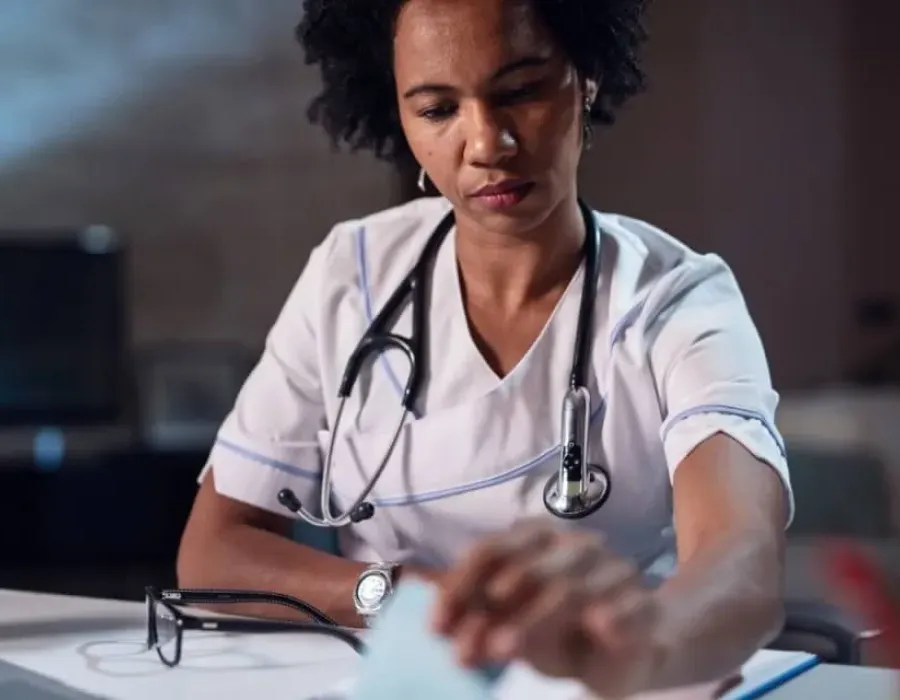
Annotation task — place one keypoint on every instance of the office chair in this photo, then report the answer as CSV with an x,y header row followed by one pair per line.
x,y
824,630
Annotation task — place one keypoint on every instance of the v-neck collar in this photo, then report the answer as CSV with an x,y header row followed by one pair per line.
x,y
452,343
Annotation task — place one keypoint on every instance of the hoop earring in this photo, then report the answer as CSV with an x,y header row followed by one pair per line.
x,y
422,181
588,136
508,140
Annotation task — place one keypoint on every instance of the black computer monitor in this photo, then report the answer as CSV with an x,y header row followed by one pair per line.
x,y
63,327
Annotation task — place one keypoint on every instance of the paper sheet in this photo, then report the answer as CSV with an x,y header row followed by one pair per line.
x,y
406,660
520,683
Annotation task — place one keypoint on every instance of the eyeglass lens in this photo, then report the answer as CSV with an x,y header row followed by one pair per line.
x,y
166,632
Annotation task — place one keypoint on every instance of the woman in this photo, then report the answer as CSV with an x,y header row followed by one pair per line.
x,y
494,99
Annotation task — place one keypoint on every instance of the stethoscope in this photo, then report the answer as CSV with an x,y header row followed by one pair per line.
x,y
578,488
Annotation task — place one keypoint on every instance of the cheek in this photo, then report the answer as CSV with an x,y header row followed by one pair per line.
x,y
553,135
418,139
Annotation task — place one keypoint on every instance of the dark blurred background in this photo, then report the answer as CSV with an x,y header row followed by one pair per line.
x,y
160,191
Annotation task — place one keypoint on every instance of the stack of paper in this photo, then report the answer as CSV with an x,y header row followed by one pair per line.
x,y
405,660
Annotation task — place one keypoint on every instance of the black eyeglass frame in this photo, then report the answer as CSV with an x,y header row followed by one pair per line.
x,y
171,599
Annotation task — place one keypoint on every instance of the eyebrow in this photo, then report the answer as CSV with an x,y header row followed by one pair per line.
x,y
517,65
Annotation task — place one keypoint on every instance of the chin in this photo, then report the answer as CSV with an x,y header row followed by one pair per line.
x,y
518,220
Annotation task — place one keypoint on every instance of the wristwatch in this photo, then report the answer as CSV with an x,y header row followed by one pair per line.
x,y
373,589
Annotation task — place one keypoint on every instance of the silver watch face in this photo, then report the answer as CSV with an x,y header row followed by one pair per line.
x,y
371,589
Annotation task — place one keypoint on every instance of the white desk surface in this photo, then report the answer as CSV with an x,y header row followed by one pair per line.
x,y
98,647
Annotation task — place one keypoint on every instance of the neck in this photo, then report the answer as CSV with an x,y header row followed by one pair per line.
x,y
511,272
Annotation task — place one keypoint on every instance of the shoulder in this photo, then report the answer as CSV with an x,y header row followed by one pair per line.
x,y
361,260
388,237
650,273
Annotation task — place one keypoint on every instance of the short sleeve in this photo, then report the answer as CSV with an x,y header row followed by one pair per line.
x,y
711,369
269,439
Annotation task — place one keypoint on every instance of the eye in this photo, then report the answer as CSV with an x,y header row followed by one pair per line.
x,y
438,113
519,94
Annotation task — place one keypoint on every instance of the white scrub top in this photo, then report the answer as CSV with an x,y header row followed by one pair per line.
x,y
676,358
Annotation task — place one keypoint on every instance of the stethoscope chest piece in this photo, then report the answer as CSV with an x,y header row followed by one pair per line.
x,y
581,502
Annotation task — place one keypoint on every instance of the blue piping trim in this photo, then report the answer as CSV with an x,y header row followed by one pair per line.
x,y
515,473
776,681
727,410
362,265
623,323
269,462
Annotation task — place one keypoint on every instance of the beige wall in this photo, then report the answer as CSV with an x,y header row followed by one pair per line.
x,y
739,148
872,238
770,136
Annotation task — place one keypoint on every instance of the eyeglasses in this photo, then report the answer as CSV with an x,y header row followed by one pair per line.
x,y
166,623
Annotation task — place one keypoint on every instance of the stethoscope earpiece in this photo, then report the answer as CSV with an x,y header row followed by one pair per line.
x,y
362,512
289,500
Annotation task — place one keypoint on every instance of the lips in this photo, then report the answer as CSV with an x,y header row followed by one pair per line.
x,y
502,187
503,195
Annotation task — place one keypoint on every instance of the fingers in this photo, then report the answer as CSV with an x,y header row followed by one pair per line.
x,y
475,585
571,578
523,577
489,583
541,632
607,579
525,594
470,638
728,685
618,601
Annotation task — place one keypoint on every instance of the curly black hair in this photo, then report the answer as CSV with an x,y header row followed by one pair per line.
x,y
351,42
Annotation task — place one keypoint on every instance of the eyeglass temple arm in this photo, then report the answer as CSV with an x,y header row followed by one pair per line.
x,y
198,596
249,626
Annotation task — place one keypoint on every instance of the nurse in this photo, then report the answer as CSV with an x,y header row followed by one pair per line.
x,y
494,99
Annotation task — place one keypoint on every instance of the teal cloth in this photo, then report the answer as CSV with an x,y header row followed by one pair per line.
x,y
405,659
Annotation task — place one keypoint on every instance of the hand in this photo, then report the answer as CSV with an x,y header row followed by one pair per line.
x,y
559,601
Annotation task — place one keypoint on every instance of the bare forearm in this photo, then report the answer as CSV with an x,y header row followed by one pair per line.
x,y
721,607
241,556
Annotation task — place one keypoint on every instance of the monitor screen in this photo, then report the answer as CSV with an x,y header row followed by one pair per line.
x,y
62,327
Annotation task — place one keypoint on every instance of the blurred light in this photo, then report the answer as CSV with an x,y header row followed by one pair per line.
x,y
98,239
64,64
49,449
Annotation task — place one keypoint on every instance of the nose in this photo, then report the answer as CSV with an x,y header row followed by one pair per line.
x,y
488,141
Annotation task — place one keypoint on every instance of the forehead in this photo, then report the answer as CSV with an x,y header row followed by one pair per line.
x,y
460,40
